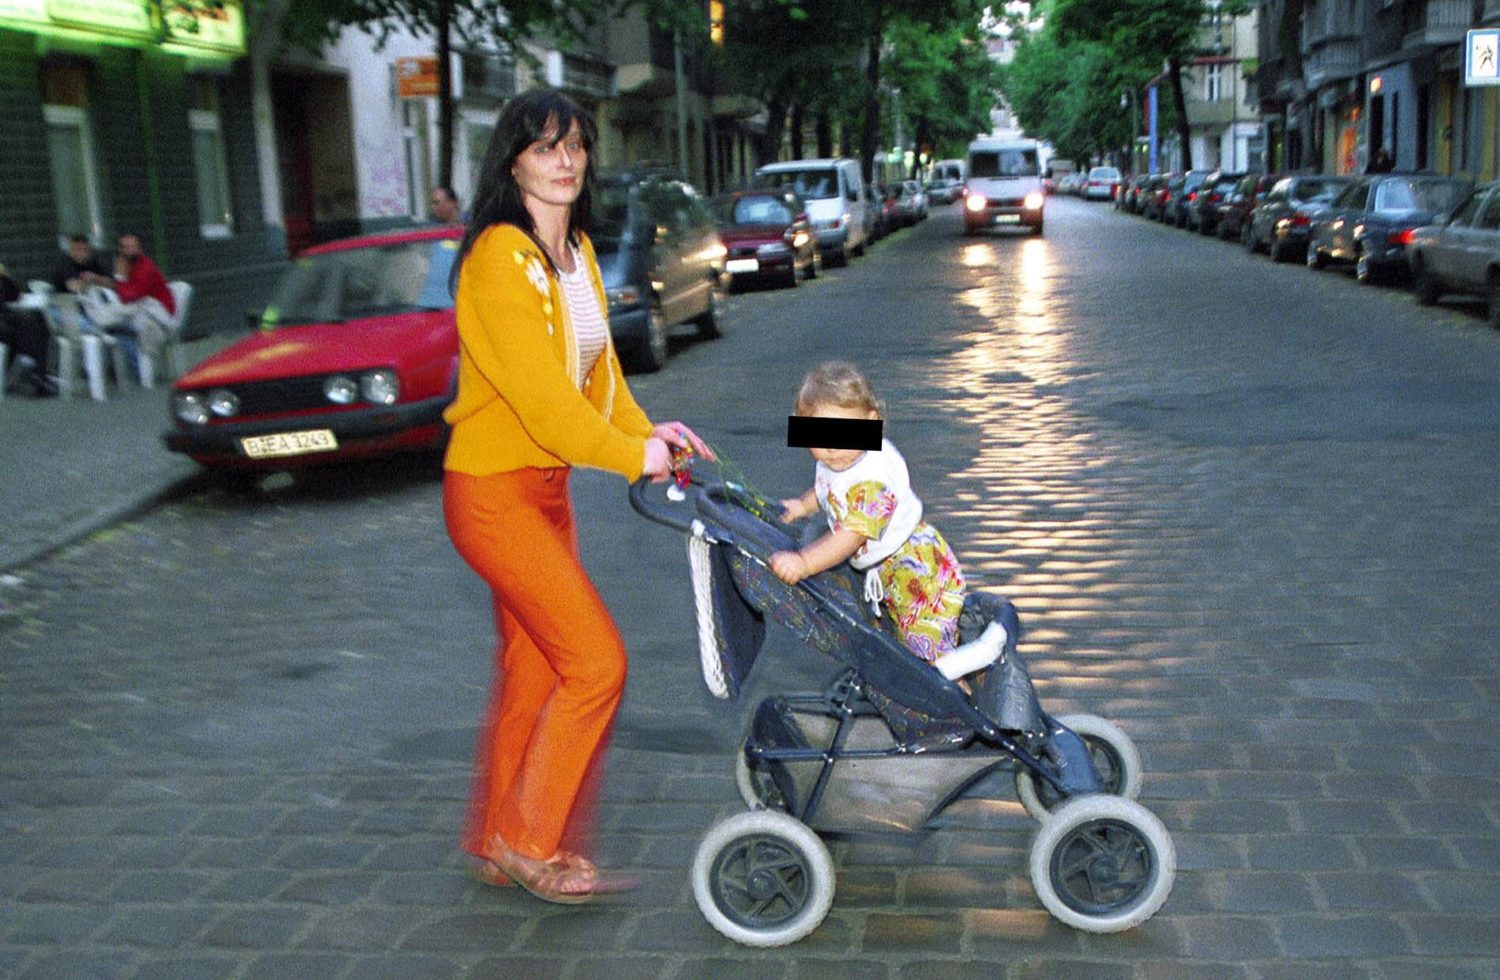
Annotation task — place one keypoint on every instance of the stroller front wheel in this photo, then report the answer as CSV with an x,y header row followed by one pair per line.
x,y
1103,863
763,878
1113,753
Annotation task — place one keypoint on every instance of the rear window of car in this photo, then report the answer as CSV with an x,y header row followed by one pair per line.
x,y
1019,162
364,282
1104,173
1316,190
759,211
818,184
1415,195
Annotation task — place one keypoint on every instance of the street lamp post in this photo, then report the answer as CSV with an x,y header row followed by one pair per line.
x,y
1127,97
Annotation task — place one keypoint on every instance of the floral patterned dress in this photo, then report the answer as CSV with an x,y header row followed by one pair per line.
x,y
921,578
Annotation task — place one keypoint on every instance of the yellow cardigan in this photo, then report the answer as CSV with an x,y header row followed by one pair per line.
x,y
519,403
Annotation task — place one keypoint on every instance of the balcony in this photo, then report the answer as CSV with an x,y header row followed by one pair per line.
x,y
1332,61
1439,23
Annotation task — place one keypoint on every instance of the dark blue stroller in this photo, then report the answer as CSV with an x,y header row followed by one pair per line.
x,y
890,743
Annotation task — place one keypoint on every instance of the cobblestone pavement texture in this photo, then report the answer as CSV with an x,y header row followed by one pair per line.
x,y
1247,512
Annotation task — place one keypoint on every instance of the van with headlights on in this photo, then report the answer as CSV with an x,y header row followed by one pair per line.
x,y
1003,188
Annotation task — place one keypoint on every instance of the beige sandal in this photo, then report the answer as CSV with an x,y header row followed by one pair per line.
x,y
553,880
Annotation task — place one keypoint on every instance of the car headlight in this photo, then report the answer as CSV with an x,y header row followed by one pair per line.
x,y
340,389
190,407
624,296
380,387
974,202
223,402
1033,202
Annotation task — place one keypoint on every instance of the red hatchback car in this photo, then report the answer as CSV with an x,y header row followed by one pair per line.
x,y
767,236
356,355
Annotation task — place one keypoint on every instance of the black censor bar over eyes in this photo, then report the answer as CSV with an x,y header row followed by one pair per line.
x,y
809,433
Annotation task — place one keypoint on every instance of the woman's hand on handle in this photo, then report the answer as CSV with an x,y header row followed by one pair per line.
x,y
679,435
658,465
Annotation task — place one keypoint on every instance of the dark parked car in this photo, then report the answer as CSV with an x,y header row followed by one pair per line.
x,y
1184,192
355,356
1234,210
768,237
1461,255
1373,220
1281,222
1153,198
662,261
1203,207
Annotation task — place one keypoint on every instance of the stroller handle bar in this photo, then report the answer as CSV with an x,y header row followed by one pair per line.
x,y
654,510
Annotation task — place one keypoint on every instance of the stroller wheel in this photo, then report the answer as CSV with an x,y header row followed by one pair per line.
x,y
1103,863
1110,749
763,878
757,788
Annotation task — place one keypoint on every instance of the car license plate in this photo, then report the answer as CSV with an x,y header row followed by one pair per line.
x,y
289,443
1007,219
742,265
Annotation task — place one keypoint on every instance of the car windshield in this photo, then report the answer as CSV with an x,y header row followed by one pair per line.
x,y
1104,173
1418,195
1003,163
757,210
1317,190
376,280
610,212
809,184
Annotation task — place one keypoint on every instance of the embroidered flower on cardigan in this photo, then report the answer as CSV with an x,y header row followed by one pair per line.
x,y
538,276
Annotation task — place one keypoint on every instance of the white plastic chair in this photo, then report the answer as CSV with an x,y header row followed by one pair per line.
x,y
182,298
64,320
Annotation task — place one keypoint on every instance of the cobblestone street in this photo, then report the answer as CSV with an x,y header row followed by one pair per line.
x,y
1247,511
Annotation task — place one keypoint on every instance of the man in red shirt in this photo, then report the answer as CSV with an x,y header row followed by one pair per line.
x,y
145,306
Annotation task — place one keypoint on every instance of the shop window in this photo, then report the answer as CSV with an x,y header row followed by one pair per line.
x,y
206,123
70,151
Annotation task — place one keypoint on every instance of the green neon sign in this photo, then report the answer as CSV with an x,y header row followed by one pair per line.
x,y
183,27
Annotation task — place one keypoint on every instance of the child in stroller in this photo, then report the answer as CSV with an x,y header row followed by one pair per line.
x,y
889,743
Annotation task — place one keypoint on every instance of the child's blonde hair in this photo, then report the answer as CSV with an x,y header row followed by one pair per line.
x,y
837,383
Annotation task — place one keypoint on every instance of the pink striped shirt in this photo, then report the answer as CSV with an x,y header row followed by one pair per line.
x,y
590,326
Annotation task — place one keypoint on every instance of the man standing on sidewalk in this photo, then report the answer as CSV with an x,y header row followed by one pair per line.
x,y
146,305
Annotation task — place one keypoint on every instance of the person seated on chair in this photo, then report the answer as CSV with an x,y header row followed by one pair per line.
x,y
443,205
72,264
146,304
25,335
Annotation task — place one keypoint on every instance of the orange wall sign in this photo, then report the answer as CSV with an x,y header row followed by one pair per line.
x,y
416,78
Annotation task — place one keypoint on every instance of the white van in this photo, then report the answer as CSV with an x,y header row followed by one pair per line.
x,y
947,181
834,192
1004,185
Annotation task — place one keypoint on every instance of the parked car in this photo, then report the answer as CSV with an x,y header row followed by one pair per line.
x,y
1101,184
1461,254
661,258
356,355
1280,223
912,201
834,191
1154,194
1004,186
1203,207
1057,170
1129,197
890,209
768,237
875,222
946,182
1373,220
1234,211
1184,193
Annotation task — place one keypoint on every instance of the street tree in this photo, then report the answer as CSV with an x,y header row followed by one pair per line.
x,y
944,81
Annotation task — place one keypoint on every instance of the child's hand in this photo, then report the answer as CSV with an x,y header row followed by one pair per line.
x,y
789,566
791,510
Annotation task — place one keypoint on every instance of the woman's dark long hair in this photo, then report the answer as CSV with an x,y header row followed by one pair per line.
x,y
537,114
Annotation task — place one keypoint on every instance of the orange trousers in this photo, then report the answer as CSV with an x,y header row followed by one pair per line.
x,y
559,664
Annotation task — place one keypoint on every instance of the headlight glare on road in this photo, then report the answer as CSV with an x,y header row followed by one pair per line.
x,y
974,202
1033,202
380,387
223,402
190,407
340,389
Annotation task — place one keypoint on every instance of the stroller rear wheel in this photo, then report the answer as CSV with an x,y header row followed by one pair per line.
x,y
763,878
1103,863
1110,749
757,788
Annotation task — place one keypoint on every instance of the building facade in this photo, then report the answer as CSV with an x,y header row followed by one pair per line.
x,y
118,120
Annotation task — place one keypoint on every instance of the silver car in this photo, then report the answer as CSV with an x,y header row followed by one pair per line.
x,y
1462,254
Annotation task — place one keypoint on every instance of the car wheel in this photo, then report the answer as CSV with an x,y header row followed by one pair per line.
x,y
651,353
793,279
1315,259
711,323
1247,239
1036,229
1423,283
